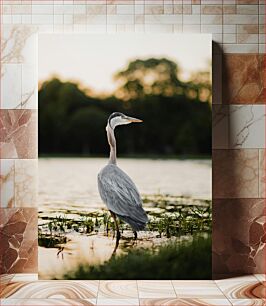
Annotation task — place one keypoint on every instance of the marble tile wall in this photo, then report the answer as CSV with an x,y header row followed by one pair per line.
x,y
238,29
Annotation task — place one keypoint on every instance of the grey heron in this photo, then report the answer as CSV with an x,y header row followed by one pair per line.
x,y
116,188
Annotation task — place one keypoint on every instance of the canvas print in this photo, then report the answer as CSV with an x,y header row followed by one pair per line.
x,y
124,156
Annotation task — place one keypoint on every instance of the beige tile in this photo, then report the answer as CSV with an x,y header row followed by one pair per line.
x,y
154,9
124,9
120,19
247,29
229,28
118,290
229,9
184,302
10,85
248,302
247,2
25,277
240,19
247,38
240,48
187,9
242,287
197,289
155,289
48,302
209,28
211,19
51,290
247,126
42,9
117,302
26,173
229,38
96,9
191,28
191,19
7,186
261,277
211,9
247,9
163,19
178,9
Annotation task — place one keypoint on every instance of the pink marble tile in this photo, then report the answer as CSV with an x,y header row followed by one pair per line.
x,y
18,233
235,173
243,79
18,130
238,237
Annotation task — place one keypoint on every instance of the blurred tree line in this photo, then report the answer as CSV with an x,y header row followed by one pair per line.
x,y
176,114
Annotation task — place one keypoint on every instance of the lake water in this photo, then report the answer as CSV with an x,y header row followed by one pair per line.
x,y
71,183
69,186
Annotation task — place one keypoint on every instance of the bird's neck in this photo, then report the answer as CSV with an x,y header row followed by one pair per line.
x,y
112,144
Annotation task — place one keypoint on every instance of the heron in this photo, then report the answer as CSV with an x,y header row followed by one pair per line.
x,y
116,188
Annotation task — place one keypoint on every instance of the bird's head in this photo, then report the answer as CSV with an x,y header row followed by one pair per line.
x,y
116,119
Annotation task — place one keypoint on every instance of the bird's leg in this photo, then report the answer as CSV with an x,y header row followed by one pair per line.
x,y
116,226
117,232
135,235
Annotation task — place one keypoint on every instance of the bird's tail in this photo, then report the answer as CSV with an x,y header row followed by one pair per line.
x,y
136,225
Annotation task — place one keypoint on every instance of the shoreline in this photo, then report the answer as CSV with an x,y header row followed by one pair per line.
x,y
129,156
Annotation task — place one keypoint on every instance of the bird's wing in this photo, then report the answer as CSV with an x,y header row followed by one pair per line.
x,y
120,194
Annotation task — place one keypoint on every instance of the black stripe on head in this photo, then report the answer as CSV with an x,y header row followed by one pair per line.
x,y
113,115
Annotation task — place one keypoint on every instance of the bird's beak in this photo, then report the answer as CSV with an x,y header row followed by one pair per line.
x,y
131,119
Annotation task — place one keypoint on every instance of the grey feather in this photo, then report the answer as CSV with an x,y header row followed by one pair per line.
x,y
121,196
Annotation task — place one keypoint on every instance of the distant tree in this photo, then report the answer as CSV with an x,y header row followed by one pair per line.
x,y
176,121
199,86
160,76
149,77
87,130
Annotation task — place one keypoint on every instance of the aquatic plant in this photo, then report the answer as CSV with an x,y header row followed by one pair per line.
x,y
88,224
169,216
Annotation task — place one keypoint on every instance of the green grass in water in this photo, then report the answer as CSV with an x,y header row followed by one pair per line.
x,y
175,260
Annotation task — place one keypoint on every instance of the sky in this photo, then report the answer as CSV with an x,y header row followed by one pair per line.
x,y
92,59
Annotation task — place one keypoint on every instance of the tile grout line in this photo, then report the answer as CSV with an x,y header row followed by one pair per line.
x,y
221,290
137,284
